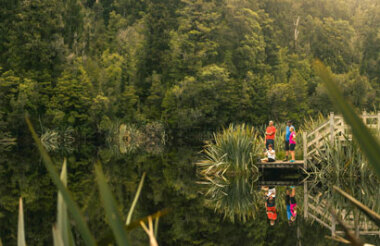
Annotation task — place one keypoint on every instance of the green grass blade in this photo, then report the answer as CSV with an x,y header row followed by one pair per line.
x,y
137,195
156,222
367,142
112,212
57,237
63,225
1,243
20,230
71,205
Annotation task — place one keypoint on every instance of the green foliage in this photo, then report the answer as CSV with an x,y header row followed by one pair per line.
x,y
235,150
71,205
344,164
32,46
367,142
194,66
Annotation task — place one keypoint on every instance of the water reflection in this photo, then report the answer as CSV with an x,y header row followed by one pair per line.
x,y
234,198
241,197
202,213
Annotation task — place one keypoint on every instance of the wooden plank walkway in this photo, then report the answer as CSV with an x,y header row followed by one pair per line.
x,y
279,183
281,164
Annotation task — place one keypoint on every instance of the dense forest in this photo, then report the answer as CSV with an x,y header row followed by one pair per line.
x,y
190,67
194,65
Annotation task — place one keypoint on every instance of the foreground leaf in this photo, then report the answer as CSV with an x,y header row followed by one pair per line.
x,y
63,225
57,237
108,238
367,142
112,212
71,205
21,230
137,195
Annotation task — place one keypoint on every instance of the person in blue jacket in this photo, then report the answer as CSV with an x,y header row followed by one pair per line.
x,y
287,136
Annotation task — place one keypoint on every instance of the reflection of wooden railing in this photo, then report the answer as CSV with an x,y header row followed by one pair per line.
x,y
332,129
317,210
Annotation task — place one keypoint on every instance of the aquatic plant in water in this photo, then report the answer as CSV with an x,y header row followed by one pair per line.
x,y
235,198
229,172
235,149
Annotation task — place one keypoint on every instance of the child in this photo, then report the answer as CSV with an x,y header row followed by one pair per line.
x,y
292,142
271,154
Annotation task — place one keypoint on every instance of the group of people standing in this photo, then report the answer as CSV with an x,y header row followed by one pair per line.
x,y
290,202
290,142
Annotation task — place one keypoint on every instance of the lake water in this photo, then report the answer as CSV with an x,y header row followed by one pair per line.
x,y
172,181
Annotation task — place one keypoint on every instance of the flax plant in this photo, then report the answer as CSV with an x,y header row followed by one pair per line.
x,y
343,164
235,149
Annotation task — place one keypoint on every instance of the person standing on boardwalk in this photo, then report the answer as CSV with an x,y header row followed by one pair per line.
x,y
270,135
292,143
287,136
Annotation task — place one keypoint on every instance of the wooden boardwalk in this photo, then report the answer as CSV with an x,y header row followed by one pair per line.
x,y
279,183
281,164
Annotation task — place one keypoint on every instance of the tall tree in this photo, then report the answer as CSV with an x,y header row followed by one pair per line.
x,y
35,40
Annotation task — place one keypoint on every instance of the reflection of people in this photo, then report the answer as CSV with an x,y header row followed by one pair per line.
x,y
287,136
270,205
271,154
270,134
292,142
291,204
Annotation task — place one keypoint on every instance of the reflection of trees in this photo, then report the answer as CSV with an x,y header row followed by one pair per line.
x,y
129,138
54,140
150,138
235,197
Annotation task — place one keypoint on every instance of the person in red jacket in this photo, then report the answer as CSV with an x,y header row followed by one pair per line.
x,y
270,135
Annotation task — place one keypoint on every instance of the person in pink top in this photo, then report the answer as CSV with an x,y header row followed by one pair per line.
x,y
292,142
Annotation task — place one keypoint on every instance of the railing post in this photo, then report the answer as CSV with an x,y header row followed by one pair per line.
x,y
364,117
332,128
304,140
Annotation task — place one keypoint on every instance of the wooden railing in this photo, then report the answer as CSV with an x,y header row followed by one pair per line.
x,y
317,210
333,128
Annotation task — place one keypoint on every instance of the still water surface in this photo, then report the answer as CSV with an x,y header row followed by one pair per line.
x,y
233,215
